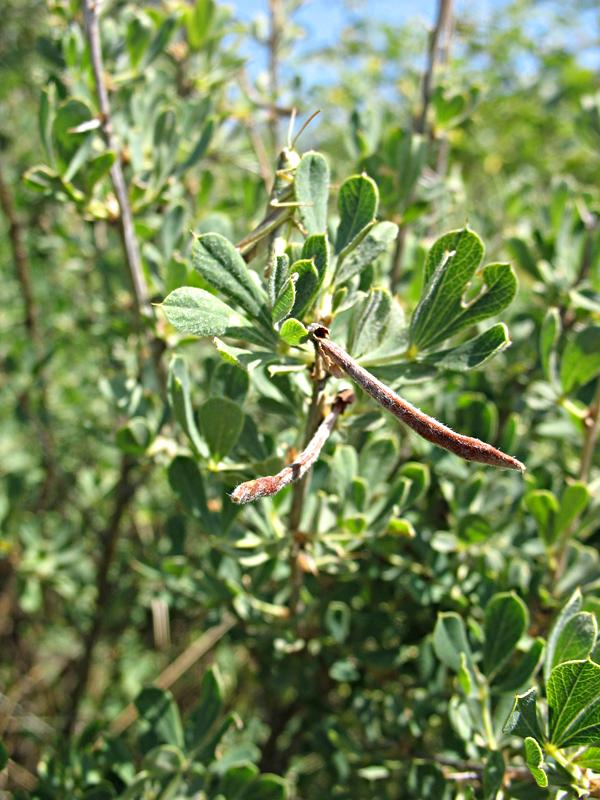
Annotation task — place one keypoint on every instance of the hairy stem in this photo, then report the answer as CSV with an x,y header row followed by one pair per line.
x,y
299,494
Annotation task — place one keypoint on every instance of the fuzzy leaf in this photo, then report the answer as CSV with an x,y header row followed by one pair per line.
x,y
369,322
572,503
506,620
580,361
282,307
316,248
576,639
293,332
376,242
197,311
307,284
311,187
523,671
543,506
573,693
534,758
450,640
221,422
357,203
474,352
571,607
449,268
549,336
222,266
523,719
181,403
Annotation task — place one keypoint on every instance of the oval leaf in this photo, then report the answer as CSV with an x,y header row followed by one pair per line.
x,y
197,311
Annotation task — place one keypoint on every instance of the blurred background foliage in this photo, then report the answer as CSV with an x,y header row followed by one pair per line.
x,y
155,640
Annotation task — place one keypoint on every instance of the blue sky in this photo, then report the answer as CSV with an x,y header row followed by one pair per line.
x,y
324,20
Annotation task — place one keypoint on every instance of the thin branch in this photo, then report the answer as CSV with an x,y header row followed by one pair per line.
x,y
592,429
438,50
21,260
301,487
125,490
199,648
23,274
140,290
274,45
271,484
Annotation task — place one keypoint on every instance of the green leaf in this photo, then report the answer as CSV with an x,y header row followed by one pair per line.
x,y
96,168
449,268
576,639
493,775
161,715
206,712
69,115
267,787
573,693
523,719
377,241
522,672
293,332
571,607
506,620
534,758
221,423
307,285
222,266
160,41
369,322
357,203
337,620
311,187
419,477
285,300
474,352
236,780
187,484
450,640
580,361
572,503
549,336
278,275
316,249
590,759
197,311
543,506
180,399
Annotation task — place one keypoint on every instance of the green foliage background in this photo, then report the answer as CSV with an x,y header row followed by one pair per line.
x,y
364,633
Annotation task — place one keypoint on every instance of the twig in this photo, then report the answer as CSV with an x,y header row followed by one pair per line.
x,y
466,447
592,429
176,669
301,487
125,490
23,274
274,44
590,437
271,484
440,29
21,260
140,290
438,50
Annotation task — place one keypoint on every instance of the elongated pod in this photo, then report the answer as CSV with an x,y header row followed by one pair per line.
x,y
466,447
